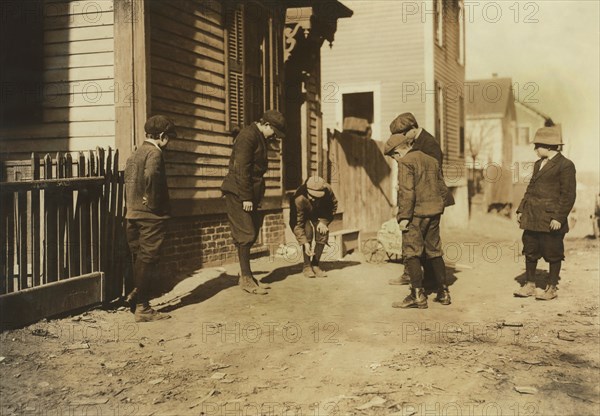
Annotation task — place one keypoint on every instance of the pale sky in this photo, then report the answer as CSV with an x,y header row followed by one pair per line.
x,y
560,53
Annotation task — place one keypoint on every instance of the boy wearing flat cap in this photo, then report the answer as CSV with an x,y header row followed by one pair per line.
x,y
244,187
543,212
406,124
147,202
312,211
422,193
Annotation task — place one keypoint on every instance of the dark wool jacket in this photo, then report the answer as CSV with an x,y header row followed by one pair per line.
x,y
247,165
303,210
550,195
430,146
146,190
421,187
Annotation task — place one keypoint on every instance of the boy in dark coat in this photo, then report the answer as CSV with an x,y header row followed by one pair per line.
x,y
244,187
406,124
313,209
422,193
543,212
147,202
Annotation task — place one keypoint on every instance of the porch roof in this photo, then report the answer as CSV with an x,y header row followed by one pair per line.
x,y
330,8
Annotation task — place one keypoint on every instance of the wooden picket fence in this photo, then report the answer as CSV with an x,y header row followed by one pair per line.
x,y
65,221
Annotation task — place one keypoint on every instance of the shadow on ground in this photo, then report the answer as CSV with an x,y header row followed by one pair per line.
x,y
282,273
224,281
204,291
541,278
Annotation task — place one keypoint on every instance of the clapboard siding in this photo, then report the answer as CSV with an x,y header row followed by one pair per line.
x,y
397,64
21,149
80,74
78,94
188,83
451,76
353,61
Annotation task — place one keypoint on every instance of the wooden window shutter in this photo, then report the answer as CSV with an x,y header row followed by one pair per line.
x,y
277,81
235,62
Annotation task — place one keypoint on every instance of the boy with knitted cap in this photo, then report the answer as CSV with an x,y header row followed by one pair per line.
x,y
313,209
543,212
422,193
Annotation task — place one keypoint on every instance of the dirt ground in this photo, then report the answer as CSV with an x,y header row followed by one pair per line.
x,y
330,346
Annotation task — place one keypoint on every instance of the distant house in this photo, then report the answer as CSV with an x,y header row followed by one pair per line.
x,y
394,57
76,75
529,119
491,129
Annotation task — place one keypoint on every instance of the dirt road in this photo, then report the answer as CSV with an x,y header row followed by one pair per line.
x,y
328,346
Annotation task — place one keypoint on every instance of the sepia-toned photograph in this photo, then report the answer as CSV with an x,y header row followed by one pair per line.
x,y
299,207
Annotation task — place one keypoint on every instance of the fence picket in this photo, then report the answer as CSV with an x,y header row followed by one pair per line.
x,y
94,200
50,221
106,171
118,227
72,264
10,245
35,223
22,239
62,220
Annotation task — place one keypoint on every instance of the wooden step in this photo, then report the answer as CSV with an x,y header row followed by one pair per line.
x,y
341,242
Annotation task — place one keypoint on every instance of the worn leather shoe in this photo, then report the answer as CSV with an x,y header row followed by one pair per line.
x,y
144,313
528,289
319,272
308,272
260,284
416,299
548,294
247,284
443,297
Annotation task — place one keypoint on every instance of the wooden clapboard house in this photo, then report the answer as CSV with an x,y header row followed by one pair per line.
x,y
77,75
390,58
491,129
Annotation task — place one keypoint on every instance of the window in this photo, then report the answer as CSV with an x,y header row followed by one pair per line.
x,y
253,58
21,62
358,112
461,32
523,135
235,60
439,22
440,127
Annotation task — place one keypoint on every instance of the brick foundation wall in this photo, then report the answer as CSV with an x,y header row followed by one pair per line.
x,y
195,242
273,230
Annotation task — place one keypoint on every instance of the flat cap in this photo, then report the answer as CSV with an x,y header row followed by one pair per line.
x,y
394,141
548,135
158,124
277,121
315,185
403,123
